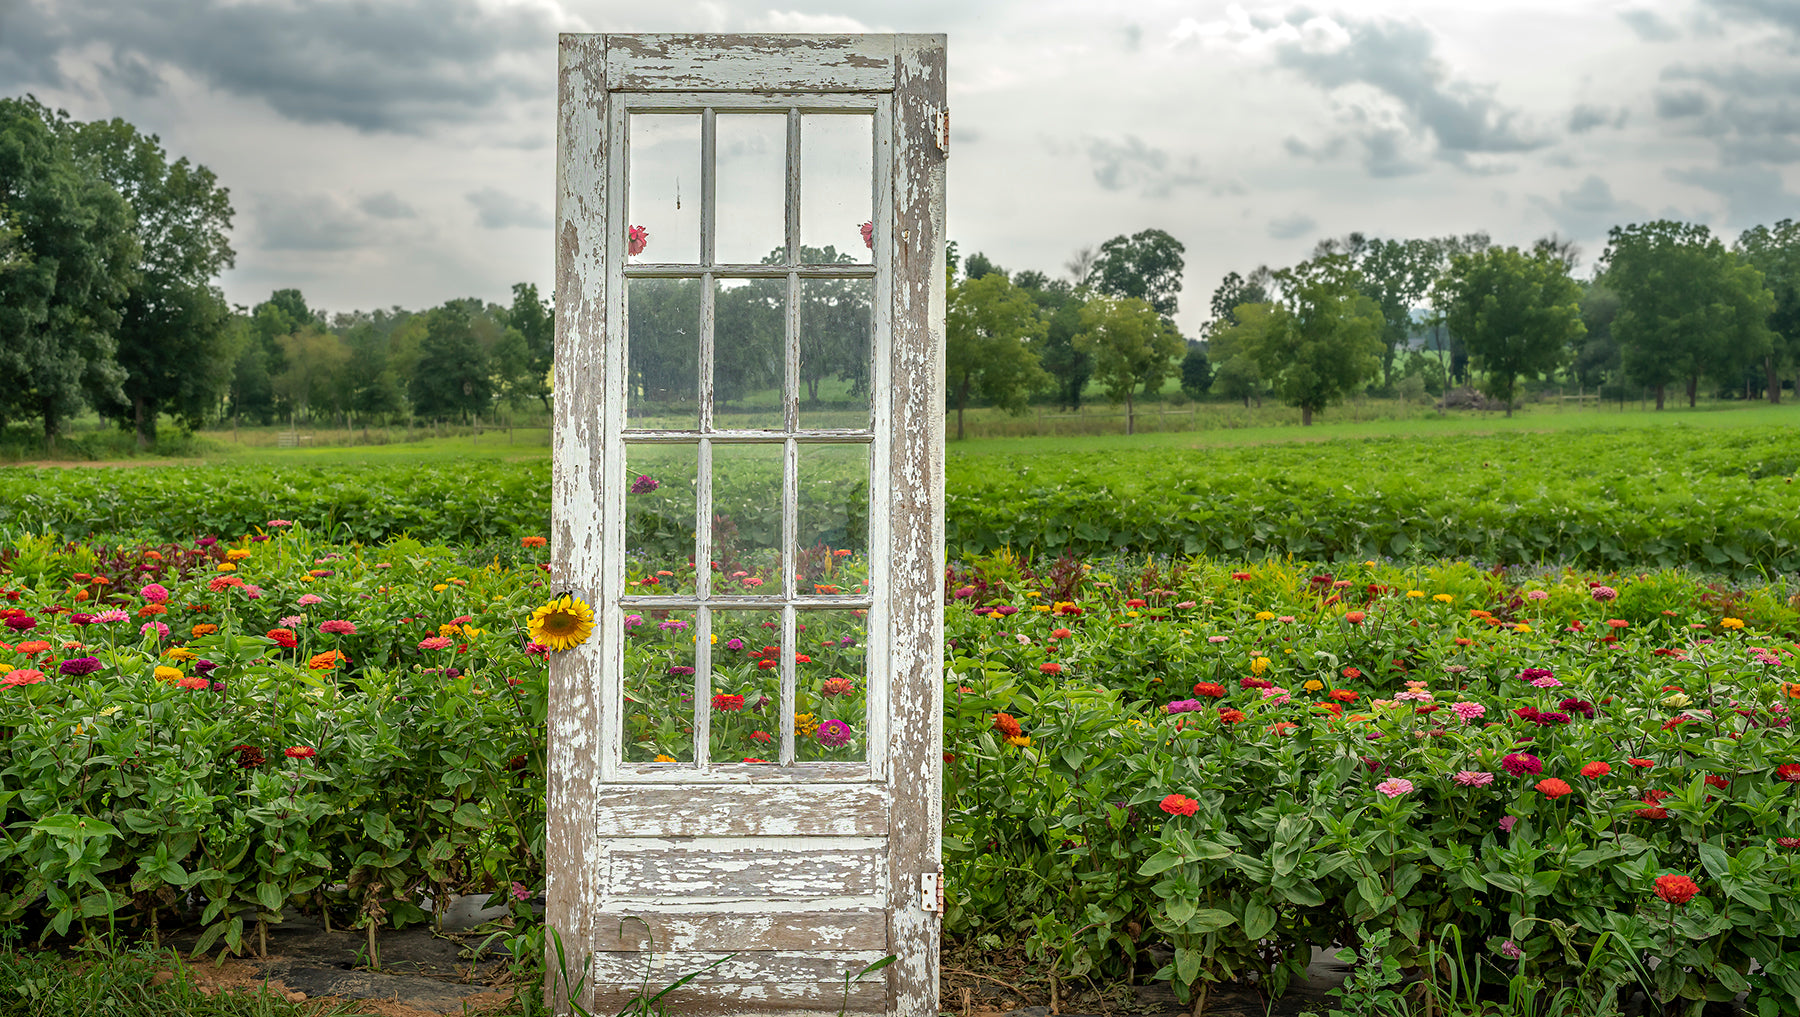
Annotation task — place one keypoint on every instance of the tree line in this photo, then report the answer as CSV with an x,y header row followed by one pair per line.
x,y
1669,305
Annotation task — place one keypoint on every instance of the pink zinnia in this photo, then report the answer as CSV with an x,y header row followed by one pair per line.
x,y
22,676
1545,682
1469,712
1394,787
1537,595
1520,764
338,627
1603,593
155,593
1474,778
114,615
1507,823
161,630
433,643
310,598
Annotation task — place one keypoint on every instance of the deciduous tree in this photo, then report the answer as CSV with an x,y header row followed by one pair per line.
x,y
1775,252
1132,345
1318,344
1519,314
1146,265
989,335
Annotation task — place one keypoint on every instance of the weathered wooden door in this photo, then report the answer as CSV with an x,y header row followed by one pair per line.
x,y
745,757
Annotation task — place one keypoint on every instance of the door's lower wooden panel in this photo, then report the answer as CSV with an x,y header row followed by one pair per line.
x,y
832,810
751,982
663,932
743,869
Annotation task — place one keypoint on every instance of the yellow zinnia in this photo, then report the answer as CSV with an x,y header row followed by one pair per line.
x,y
168,674
1731,623
563,623
236,554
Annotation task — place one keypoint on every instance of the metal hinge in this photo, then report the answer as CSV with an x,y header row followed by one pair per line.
x,y
940,129
931,891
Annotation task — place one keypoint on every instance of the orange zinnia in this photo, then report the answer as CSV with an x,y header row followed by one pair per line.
x,y
327,661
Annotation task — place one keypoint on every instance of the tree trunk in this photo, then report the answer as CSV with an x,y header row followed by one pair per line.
x,y
1129,422
51,426
962,400
1659,397
137,404
1306,416
1774,380
1693,384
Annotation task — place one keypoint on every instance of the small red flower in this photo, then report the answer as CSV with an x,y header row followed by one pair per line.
x,y
1240,576
1789,772
1554,787
1343,695
301,752
1642,764
1051,667
1230,716
1179,805
1210,689
1061,634
1595,769
1008,725
1354,617
284,638
1352,673
1655,811
1676,889
1714,780
726,703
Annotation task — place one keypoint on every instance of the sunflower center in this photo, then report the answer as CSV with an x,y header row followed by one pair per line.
x,y
560,623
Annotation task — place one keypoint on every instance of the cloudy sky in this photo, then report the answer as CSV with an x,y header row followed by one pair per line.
x,y
384,152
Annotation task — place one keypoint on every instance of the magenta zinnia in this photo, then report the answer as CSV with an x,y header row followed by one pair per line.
x,y
833,734
338,627
1520,764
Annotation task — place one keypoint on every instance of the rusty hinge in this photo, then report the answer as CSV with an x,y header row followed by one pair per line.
x,y
940,130
931,891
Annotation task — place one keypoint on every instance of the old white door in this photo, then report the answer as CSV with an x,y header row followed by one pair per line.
x,y
745,757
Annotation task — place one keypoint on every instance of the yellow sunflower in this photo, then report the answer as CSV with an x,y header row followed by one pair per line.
x,y
563,623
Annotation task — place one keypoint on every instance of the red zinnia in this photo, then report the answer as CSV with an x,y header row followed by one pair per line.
x,y
1789,772
1595,769
1008,725
1714,780
1213,689
1655,811
727,703
1343,695
302,752
1230,716
1179,805
1642,764
1554,787
1354,617
1676,889
1062,633
284,638
1051,667
1352,673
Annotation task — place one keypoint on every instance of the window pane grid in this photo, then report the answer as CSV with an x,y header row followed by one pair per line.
x,y
710,596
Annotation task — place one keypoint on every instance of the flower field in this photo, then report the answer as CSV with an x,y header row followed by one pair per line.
x,y
1568,774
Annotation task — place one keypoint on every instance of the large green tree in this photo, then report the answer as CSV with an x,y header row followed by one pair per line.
x,y
1146,265
1396,275
173,336
1133,347
1518,313
1059,303
1315,346
76,260
451,379
1775,252
531,315
1687,306
990,329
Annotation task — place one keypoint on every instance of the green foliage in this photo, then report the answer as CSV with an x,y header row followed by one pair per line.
x,y
59,303
990,330
1145,266
139,982
1133,347
1775,252
452,379
1319,344
1518,314
1687,306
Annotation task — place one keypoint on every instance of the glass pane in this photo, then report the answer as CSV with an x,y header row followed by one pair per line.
x,y
750,353
663,358
659,518
750,224
836,325
831,683
746,687
665,188
659,687
837,169
831,542
746,525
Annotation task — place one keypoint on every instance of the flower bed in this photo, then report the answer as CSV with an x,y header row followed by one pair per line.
x,y
1565,777
1576,774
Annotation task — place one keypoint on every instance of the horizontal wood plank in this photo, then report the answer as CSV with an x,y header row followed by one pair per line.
x,y
844,810
752,869
625,930
750,63
751,982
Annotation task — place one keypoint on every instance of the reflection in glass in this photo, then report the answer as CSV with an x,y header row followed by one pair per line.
x,y
750,353
746,687
750,222
746,523
665,186
662,386
831,542
659,519
659,687
837,166
836,326
831,685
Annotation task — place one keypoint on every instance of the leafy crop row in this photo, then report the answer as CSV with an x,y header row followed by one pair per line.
x,y
1717,499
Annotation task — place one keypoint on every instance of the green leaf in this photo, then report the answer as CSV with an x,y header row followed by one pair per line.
x,y
1187,964
1259,920
469,814
1210,920
1714,858
68,827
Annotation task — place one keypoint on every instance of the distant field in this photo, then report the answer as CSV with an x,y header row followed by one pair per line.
x,y
1711,489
